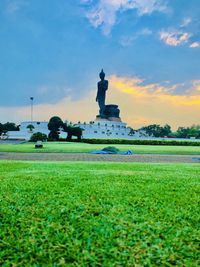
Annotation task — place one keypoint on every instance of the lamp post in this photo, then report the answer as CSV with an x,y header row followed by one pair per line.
x,y
31,98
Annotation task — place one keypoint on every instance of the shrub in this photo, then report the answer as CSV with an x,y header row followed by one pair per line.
x,y
111,149
142,142
38,137
72,131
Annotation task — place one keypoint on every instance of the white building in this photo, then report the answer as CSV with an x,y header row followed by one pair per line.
x,y
102,128
99,128
25,132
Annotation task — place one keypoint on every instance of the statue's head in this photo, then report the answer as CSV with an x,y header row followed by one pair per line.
x,y
102,75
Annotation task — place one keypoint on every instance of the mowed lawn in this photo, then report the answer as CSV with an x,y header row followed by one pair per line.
x,y
99,214
66,147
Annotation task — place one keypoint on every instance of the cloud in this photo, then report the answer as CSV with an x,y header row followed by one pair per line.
x,y
155,103
174,37
43,91
137,88
103,14
13,6
145,31
149,6
128,40
196,86
195,45
186,22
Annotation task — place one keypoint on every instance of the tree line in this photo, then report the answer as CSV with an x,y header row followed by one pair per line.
x,y
8,126
155,130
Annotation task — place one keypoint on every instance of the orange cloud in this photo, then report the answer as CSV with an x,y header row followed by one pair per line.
x,y
153,103
152,91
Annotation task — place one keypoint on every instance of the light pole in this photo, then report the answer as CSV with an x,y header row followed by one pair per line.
x,y
31,98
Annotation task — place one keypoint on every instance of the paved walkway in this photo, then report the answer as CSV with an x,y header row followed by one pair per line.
x,y
11,142
89,157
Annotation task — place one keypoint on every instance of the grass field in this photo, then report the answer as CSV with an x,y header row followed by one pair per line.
x,y
99,214
66,147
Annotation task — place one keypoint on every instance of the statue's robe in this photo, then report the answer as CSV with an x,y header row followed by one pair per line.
x,y
101,94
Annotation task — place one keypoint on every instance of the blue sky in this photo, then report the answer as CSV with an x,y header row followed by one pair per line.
x,y
54,49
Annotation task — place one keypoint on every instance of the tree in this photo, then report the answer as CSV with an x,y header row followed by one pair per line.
x,y
183,132
38,137
54,125
30,127
165,131
156,130
194,131
1,128
132,131
53,136
187,132
10,126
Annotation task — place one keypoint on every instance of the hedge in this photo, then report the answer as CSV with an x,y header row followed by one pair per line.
x,y
138,142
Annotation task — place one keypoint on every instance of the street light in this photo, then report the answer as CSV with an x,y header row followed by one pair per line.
x,y
31,98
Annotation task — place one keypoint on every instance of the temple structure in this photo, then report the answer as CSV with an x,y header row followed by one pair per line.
x,y
107,123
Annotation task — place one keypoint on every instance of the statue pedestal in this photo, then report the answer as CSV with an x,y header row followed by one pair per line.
x,y
98,118
110,113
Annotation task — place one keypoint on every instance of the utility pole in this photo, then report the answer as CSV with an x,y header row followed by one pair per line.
x,y
31,98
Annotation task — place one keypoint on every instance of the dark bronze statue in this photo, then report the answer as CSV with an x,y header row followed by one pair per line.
x,y
111,111
101,92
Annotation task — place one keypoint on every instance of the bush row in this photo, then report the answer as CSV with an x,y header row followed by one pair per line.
x,y
141,142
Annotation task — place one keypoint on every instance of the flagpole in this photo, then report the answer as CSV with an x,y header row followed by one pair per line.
x,y
31,98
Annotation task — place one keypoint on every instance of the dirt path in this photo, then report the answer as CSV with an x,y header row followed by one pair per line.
x,y
89,157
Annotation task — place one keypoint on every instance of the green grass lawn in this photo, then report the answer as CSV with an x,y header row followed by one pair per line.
x,y
99,214
66,147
